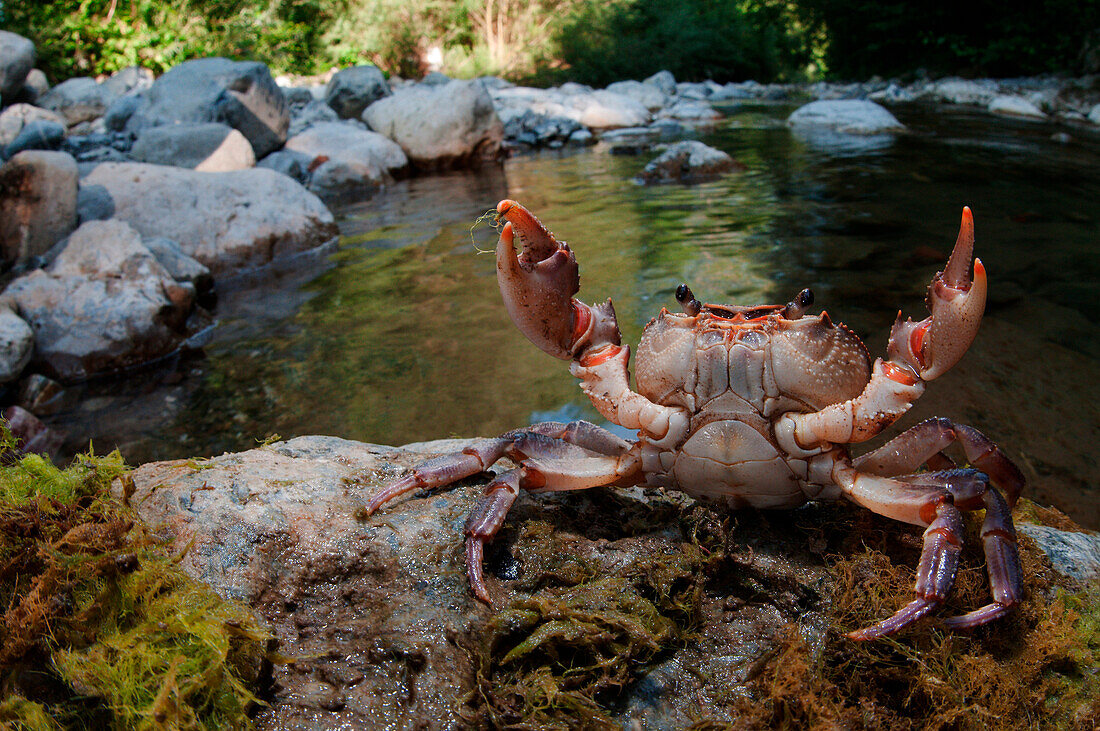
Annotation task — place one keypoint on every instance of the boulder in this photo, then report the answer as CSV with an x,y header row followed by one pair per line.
x,y
1072,554
241,94
179,265
31,434
34,87
962,91
129,80
352,90
849,116
443,126
685,161
41,134
1094,114
648,95
605,109
291,164
16,344
531,129
105,303
663,80
77,100
17,116
313,112
226,221
208,147
344,159
1015,106
688,110
16,60
38,197
892,94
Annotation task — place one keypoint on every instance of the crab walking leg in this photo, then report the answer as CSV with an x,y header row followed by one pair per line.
x,y
934,499
919,444
918,352
551,466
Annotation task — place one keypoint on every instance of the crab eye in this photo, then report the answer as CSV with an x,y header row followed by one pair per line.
x,y
797,307
687,300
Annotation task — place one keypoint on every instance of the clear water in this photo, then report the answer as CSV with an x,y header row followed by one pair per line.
x,y
400,335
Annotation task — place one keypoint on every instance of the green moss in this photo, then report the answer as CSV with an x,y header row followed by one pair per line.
x,y
102,628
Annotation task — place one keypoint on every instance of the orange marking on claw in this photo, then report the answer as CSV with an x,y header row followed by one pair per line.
x,y
582,316
916,341
899,374
600,356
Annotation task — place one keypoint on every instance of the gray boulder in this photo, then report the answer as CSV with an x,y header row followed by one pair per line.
x,y
78,100
605,109
689,160
104,303
179,265
41,134
962,91
663,80
1011,105
313,112
34,87
241,94
451,125
352,90
207,147
848,116
129,80
16,60
38,193
649,95
1094,114
226,221
344,159
1072,554
294,165
16,344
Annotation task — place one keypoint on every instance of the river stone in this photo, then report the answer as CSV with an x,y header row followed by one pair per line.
x,y
440,126
104,303
16,345
38,197
35,85
241,94
352,90
16,60
128,80
226,221
663,80
1073,554
1015,106
291,164
605,109
1094,114
686,161
208,147
689,110
848,116
649,95
962,91
179,266
41,134
77,100
346,159
17,116
313,112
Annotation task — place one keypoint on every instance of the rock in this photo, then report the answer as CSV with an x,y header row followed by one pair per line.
x,y
961,91
41,134
128,80
537,130
345,159
38,196
17,116
33,436
16,60
297,96
848,116
649,95
1015,106
294,165
605,109
40,395
690,111
226,221
34,86
179,265
687,161
241,94
663,80
352,90
314,112
207,147
691,90
440,126
105,303
1076,555
77,100
892,94
16,345
1094,114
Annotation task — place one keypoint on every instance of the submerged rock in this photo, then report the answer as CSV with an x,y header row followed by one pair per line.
x,y
687,161
849,116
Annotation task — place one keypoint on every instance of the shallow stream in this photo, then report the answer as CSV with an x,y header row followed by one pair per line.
x,y
400,335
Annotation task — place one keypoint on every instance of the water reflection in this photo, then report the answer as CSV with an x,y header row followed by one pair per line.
x,y
403,337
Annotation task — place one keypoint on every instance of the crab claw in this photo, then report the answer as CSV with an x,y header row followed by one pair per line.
x,y
935,344
537,285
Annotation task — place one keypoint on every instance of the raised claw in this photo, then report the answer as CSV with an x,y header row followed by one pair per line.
x,y
538,284
933,345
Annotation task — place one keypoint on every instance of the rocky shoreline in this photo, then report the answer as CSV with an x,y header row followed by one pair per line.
x,y
124,200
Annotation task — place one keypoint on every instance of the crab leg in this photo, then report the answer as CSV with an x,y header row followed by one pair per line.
x,y
934,499
538,285
918,352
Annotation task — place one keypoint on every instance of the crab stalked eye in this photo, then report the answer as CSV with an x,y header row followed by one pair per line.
x,y
797,307
687,300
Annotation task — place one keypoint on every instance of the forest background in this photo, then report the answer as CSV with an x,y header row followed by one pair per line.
x,y
545,42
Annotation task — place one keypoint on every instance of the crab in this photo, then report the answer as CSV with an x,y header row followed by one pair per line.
x,y
750,406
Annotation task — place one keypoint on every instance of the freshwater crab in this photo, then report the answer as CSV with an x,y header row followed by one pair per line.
x,y
750,406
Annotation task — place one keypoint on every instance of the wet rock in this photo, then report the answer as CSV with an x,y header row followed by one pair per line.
x,y
209,147
77,100
17,116
352,90
1015,106
105,303
38,195
1072,554
345,159
179,265
892,94
40,134
1094,114
16,344
530,129
40,395
249,217
241,94
690,111
16,60
961,91
689,160
452,125
33,436
847,116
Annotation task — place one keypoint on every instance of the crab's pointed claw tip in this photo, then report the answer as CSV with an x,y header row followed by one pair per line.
x,y
504,206
956,273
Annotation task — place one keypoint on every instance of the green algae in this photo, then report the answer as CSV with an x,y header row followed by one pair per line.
x,y
101,628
